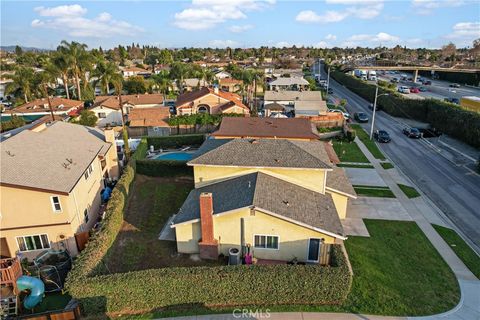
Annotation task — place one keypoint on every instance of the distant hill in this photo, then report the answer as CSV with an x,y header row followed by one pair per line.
x,y
12,49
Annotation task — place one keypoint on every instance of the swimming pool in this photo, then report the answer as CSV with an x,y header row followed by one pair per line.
x,y
178,156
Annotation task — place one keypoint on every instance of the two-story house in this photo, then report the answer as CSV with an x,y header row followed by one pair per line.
x,y
279,198
50,183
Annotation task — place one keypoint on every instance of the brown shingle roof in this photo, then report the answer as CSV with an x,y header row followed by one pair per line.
x,y
291,128
337,180
189,97
149,117
133,99
41,105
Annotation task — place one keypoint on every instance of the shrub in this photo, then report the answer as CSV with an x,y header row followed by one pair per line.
x,y
14,122
175,141
163,168
448,118
351,134
223,286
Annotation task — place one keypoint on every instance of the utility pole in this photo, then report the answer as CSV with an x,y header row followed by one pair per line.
x,y
328,82
374,109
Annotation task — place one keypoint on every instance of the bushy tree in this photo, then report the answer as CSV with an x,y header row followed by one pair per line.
x,y
87,118
135,85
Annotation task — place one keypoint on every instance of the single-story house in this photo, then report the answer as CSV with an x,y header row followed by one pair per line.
x,y
135,71
230,84
304,108
149,122
290,83
208,100
107,108
38,107
288,98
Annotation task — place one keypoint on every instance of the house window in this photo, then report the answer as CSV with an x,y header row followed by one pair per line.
x,y
56,204
88,172
85,215
35,242
266,242
102,115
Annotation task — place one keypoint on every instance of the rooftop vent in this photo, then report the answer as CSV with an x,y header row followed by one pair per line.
x,y
285,202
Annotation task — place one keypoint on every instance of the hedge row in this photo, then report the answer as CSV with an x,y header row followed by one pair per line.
x,y
446,117
163,168
175,141
222,286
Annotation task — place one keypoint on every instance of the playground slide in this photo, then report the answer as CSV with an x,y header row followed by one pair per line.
x,y
36,287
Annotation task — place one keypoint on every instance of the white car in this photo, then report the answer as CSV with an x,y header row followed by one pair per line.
x,y
346,115
404,89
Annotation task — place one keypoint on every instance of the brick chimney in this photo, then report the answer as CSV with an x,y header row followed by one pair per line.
x,y
208,244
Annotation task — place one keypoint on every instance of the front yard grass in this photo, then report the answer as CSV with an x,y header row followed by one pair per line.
x,y
373,191
370,144
463,250
355,165
397,272
387,165
410,192
348,151
153,200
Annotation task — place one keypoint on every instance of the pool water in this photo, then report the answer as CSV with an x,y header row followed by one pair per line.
x,y
178,156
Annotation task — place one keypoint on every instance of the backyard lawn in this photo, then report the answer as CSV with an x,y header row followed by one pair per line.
x,y
396,270
153,200
370,144
348,151
463,251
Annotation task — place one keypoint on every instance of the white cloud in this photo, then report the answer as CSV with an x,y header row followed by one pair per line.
x,y
71,20
223,44
321,44
365,40
61,11
282,44
424,7
206,14
239,29
366,9
331,37
464,33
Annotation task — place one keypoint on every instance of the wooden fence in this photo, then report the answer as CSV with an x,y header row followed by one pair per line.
x,y
71,312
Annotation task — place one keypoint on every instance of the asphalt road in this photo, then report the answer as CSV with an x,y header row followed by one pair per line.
x,y
454,188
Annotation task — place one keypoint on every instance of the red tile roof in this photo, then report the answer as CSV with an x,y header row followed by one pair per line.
x,y
292,128
41,105
189,97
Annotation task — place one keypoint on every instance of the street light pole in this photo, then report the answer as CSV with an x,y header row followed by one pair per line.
x,y
328,82
374,109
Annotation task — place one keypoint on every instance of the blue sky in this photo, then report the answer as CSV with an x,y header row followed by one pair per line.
x,y
241,23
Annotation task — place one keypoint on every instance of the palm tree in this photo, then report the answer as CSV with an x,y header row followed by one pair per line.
x,y
162,82
60,60
179,72
22,82
105,71
77,59
117,81
43,80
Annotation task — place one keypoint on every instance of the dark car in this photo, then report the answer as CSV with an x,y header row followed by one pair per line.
x,y
382,136
330,90
452,100
430,133
427,83
412,133
423,89
454,85
360,117
377,108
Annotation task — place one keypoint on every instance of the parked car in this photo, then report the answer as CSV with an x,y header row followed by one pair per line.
x,y
330,90
427,83
452,100
394,80
423,89
414,90
430,133
412,133
346,115
454,85
404,89
377,108
360,116
382,136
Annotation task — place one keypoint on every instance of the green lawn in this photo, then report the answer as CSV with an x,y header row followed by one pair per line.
x,y
373,191
51,302
348,151
410,192
397,272
370,144
361,166
463,250
386,165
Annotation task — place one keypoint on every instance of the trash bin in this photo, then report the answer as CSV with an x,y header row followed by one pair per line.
x,y
233,256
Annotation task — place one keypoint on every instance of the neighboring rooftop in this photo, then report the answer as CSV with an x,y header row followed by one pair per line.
x,y
267,153
266,128
190,97
52,159
290,81
271,194
337,180
287,95
41,106
111,102
305,107
149,117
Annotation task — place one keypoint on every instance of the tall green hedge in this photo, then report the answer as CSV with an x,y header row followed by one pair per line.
x,y
163,168
446,117
175,141
225,286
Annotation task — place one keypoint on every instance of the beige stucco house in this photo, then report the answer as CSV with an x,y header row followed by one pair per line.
x,y
279,197
50,183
